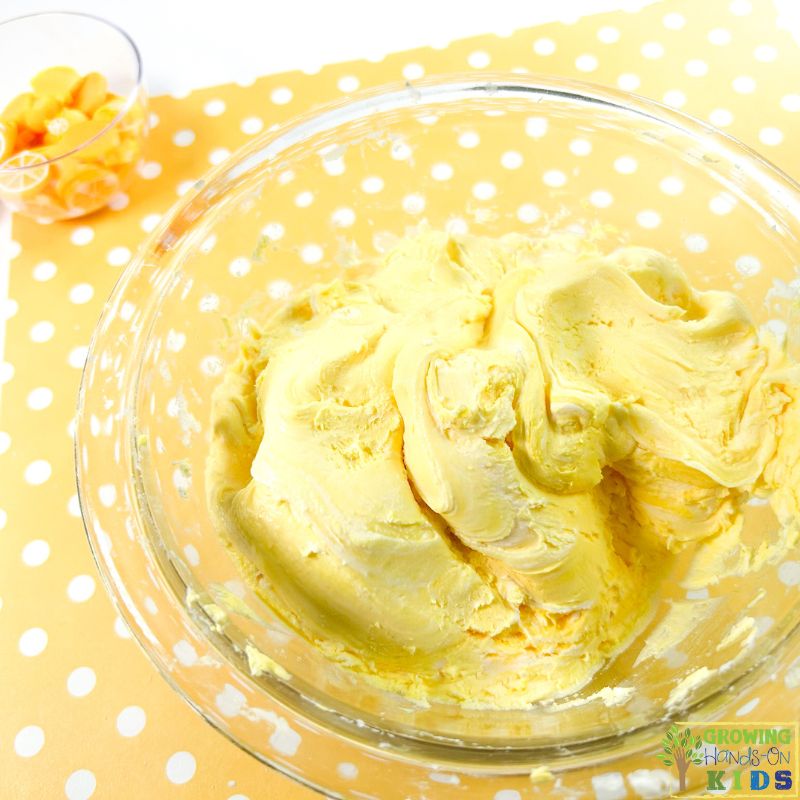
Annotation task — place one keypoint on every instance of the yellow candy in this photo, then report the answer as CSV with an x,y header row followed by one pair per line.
x,y
42,109
8,137
57,82
90,93
89,186
15,110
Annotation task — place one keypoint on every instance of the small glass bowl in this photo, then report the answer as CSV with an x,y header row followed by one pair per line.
x,y
303,204
85,178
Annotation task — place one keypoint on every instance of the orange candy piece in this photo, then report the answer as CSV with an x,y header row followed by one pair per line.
x,y
55,82
65,144
90,93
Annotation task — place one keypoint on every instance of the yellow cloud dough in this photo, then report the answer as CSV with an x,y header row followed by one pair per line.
x,y
464,474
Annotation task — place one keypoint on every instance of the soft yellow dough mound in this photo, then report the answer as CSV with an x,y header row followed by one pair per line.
x,y
465,474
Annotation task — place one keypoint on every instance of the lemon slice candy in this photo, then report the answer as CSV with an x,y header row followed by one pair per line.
x,y
24,174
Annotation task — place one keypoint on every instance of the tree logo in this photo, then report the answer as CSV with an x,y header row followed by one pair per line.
x,y
680,750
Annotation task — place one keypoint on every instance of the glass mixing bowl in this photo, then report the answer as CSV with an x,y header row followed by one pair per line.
x,y
303,204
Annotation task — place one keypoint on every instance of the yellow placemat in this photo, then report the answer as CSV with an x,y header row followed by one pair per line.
x,y
83,713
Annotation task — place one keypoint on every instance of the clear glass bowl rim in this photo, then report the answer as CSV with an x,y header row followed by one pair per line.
x,y
222,180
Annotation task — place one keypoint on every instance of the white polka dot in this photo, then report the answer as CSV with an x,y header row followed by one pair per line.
x,y
528,213
13,250
413,72
722,203
696,243
35,553
8,308
671,185
80,785
744,84
601,198
185,186
29,741
536,127
696,67
184,138
32,642
348,83
218,155
304,199
149,170
82,236
118,201
652,50
44,271
81,588
441,171
77,357
580,147
372,185
609,786
507,794
674,21
238,796
484,190
719,36
73,506
347,770
281,96
791,103
118,256
469,139
343,217
5,442
121,628
544,47
40,398
252,125
648,218
628,81
181,767
414,203
311,253
280,289
748,265
789,573
740,8
6,371
456,225
720,117
37,472
675,98
511,159
149,222
626,165
765,53
554,178
81,681
480,59
239,267
213,108
770,136
608,35
400,151
748,707
81,293
131,721
192,555
586,62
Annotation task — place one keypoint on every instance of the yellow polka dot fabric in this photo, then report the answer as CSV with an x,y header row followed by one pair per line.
x,y
83,712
